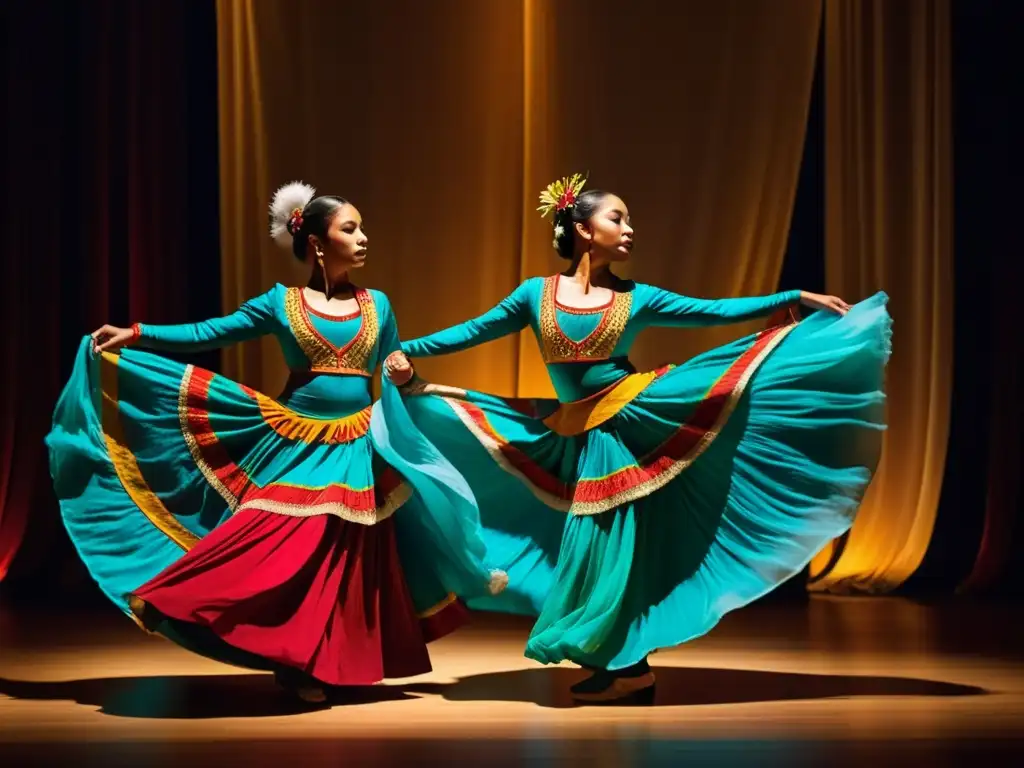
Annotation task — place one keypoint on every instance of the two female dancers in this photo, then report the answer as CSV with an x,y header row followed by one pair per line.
x,y
329,538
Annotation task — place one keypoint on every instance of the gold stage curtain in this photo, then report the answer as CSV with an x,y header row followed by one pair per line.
x,y
695,114
411,110
888,182
442,121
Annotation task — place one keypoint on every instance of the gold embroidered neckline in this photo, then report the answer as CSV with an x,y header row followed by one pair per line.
x,y
323,356
581,310
599,343
310,309
338,351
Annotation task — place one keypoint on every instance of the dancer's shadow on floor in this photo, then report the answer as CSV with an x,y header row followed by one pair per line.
x,y
197,697
687,687
191,697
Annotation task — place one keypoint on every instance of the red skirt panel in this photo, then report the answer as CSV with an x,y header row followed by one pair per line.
x,y
319,594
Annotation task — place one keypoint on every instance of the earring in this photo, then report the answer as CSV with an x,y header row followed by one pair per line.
x,y
583,270
323,267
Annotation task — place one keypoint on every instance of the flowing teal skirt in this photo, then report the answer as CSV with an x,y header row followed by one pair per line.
x,y
164,471
719,480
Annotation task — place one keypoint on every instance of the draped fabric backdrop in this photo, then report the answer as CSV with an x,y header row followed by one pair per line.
x,y
889,227
111,217
443,121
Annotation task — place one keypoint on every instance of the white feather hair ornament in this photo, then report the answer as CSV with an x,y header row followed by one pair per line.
x,y
286,210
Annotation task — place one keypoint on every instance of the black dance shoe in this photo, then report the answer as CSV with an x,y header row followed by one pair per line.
x,y
621,687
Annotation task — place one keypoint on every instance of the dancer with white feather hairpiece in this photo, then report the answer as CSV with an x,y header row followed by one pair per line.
x,y
314,534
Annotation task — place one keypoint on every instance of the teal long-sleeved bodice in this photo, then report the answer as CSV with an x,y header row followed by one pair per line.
x,y
586,350
331,357
150,455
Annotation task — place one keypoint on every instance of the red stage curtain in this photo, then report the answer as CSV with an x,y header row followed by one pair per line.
x,y
109,203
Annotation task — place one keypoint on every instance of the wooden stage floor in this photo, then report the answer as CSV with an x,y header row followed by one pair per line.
x,y
836,681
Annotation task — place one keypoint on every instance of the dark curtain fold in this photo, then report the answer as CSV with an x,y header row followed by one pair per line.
x,y
982,500
888,226
803,266
111,216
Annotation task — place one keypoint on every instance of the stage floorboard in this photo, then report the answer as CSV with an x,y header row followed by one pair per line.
x,y
836,681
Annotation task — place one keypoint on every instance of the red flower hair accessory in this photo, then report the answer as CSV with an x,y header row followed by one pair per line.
x,y
286,211
560,195
294,221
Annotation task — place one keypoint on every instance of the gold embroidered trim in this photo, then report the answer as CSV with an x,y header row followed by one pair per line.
x,y
399,496
293,426
436,609
676,468
136,610
493,448
127,467
193,443
357,354
323,356
598,345
319,354
581,310
646,487
341,371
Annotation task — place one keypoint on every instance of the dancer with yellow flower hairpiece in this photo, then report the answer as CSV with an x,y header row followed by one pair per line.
x,y
636,510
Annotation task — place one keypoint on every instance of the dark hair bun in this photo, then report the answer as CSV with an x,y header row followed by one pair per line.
x,y
295,214
565,220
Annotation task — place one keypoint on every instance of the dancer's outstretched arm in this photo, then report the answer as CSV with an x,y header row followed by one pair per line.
x,y
250,321
510,315
664,308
